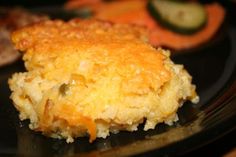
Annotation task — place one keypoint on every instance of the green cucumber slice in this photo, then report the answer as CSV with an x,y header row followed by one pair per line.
x,y
182,17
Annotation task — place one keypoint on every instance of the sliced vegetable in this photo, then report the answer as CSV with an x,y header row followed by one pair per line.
x,y
164,37
182,17
118,9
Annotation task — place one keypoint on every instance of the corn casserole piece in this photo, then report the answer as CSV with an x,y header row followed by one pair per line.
x,y
90,77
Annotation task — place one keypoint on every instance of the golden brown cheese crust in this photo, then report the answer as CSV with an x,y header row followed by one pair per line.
x,y
94,77
96,45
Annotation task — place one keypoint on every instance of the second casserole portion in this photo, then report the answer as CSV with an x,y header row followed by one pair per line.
x,y
93,77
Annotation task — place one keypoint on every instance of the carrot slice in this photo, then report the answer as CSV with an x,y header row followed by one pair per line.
x,y
114,9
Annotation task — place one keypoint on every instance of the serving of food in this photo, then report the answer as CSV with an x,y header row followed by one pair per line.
x,y
94,77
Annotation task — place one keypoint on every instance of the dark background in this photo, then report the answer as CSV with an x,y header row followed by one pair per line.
x,y
29,3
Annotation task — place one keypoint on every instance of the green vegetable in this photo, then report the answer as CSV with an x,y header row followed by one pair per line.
x,y
182,17
63,89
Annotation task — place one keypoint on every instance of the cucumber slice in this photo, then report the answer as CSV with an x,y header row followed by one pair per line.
x,y
182,17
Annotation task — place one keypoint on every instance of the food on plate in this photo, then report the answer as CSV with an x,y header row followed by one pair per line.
x,y
8,54
164,37
90,77
178,16
137,12
10,20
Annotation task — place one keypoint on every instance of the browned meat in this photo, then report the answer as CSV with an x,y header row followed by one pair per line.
x,y
10,20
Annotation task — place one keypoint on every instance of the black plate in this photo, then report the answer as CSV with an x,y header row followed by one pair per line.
x,y
214,73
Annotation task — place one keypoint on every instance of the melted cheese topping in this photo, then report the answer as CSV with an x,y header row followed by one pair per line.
x,y
90,49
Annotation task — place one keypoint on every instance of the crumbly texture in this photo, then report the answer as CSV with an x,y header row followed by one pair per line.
x,y
91,78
